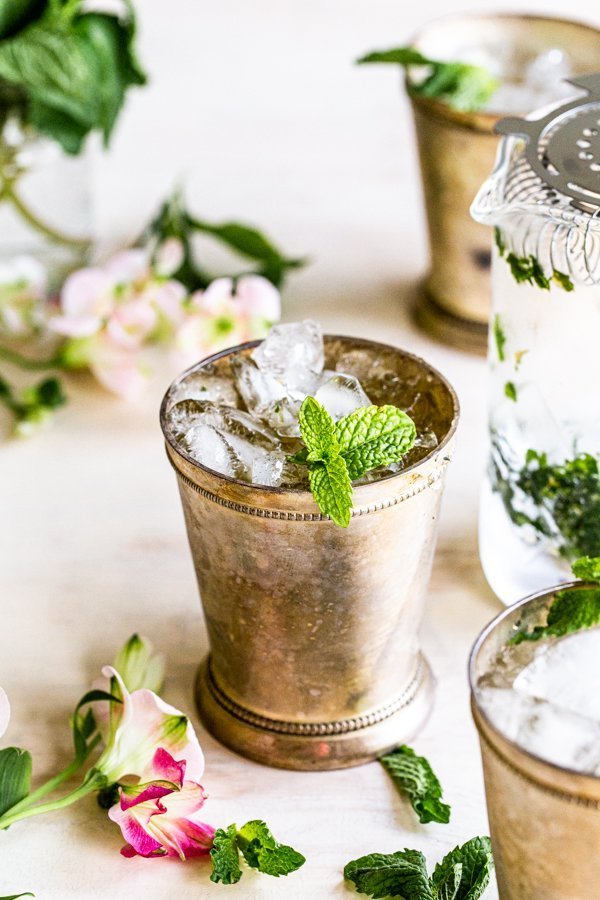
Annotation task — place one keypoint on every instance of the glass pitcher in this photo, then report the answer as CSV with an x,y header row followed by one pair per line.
x,y
540,504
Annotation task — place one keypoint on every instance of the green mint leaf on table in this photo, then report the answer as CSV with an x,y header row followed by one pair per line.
x,y
259,848
464,873
414,777
401,874
263,852
15,777
374,436
338,452
225,856
510,391
587,568
464,87
73,70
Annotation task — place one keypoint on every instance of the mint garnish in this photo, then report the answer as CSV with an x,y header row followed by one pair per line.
x,y
499,337
338,452
460,85
570,610
414,777
259,848
463,874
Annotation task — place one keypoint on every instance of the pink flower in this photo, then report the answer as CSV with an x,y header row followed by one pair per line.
x,y
221,317
23,309
4,711
159,817
168,256
117,369
138,726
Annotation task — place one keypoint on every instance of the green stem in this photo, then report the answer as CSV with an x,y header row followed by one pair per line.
x,y
56,781
92,782
8,193
35,365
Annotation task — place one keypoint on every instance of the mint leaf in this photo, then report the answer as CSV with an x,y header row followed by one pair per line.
x,y
510,391
476,864
571,610
587,568
563,281
263,852
318,431
462,86
499,337
402,874
15,777
414,777
332,489
374,436
15,14
528,269
499,241
16,896
225,856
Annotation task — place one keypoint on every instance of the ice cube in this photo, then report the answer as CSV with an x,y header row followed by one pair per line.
x,y
208,447
201,386
282,416
341,394
267,468
182,415
258,389
566,674
293,354
237,423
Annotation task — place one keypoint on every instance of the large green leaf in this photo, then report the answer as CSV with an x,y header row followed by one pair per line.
x,y
15,777
16,14
464,873
402,874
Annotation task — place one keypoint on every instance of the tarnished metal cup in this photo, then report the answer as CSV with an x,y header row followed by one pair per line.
x,y
544,819
314,653
457,151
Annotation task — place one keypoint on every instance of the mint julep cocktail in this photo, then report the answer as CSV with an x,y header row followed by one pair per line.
x,y
279,418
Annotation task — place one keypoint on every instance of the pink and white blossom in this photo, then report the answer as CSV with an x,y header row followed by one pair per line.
x,y
159,816
140,724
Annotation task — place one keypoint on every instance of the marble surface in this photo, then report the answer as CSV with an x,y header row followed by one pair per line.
x,y
93,542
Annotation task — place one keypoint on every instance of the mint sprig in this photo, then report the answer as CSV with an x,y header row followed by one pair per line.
x,y
337,453
260,849
463,874
464,87
414,777
571,610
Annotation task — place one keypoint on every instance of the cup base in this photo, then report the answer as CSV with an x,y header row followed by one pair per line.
x,y
448,328
314,746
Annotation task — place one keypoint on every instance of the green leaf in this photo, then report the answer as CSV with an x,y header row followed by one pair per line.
x,y
587,568
414,777
476,865
374,436
332,489
462,86
499,241
318,431
263,852
402,874
499,337
16,896
571,610
16,14
563,281
225,856
510,391
15,777
84,726
527,269
74,72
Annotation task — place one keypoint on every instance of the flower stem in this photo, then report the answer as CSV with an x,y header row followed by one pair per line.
x,y
8,193
93,781
11,356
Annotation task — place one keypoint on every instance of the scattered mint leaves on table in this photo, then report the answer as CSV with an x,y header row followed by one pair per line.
x,y
337,453
259,848
462,86
571,610
463,874
414,777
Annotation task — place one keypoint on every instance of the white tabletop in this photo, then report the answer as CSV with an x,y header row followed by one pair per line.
x,y
94,546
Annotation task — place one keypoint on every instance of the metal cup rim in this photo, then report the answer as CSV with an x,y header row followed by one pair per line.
x,y
479,642
247,345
